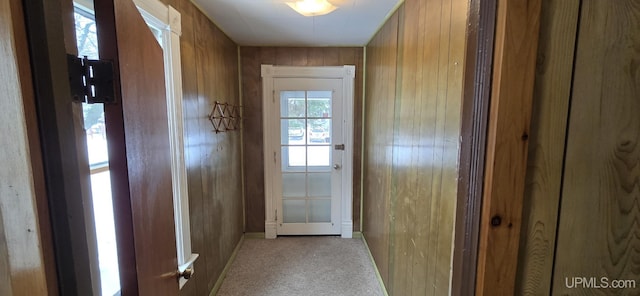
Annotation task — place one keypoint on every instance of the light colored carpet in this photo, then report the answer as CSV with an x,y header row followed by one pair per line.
x,y
313,265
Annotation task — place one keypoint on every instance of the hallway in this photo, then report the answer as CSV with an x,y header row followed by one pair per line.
x,y
316,265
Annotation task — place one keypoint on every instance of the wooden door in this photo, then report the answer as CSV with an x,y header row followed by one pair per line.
x,y
139,152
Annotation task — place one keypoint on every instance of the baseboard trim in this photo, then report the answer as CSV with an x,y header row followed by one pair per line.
x,y
375,266
254,235
270,231
347,229
216,287
356,234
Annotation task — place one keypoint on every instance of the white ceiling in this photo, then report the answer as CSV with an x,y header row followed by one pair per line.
x,y
274,23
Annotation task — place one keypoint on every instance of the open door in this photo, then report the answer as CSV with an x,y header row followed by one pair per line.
x,y
139,152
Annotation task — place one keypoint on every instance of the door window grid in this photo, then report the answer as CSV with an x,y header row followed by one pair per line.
x,y
308,203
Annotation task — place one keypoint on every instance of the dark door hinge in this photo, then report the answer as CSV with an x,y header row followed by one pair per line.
x,y
91,81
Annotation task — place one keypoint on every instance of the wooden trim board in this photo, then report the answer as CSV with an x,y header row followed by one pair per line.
x,y
516,37
475,109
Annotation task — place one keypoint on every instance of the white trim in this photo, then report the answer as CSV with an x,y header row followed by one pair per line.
x,y
347,167
269,166
270,229
347,229
347,74
168,21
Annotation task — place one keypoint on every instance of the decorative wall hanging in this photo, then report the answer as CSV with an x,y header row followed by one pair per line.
x,y
225,117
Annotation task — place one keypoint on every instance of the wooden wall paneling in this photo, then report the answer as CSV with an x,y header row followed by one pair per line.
x,y
192,116
404,169
435,45
217,80
204,68
251,59
599,213
427,42
452,93
377,156
210,71
552,90
44,219
516,38
284,56
315,56
332,56
22,266
298,57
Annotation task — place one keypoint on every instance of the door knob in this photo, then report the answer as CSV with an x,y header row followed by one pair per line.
x,y
336,166
186,274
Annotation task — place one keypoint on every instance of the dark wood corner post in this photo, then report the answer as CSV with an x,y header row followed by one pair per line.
x,y
475,114
516,43
50,33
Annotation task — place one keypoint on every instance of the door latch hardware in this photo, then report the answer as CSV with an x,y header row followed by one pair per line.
x,y
91,81
338,147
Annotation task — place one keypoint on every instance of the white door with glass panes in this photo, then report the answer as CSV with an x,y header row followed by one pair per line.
x,y
307,138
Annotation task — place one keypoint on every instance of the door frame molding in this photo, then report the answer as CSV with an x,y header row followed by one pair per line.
x,y
347,74
475,118
62,142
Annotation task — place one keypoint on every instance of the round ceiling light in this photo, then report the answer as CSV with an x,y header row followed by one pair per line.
x,y
312,7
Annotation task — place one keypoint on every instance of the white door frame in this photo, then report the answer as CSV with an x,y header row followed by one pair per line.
x,y
347,74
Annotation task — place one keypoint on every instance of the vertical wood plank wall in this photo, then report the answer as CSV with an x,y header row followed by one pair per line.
x,y
599,208
377,157
251,58
552,87
582,183
412,107
22,263
209,74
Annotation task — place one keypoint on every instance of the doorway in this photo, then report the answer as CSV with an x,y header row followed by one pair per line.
x,y
96,138
308,123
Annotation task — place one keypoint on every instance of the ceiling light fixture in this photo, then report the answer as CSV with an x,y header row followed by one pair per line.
x,y
312,7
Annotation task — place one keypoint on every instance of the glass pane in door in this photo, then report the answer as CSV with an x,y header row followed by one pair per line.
x,y
87,42
305,129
